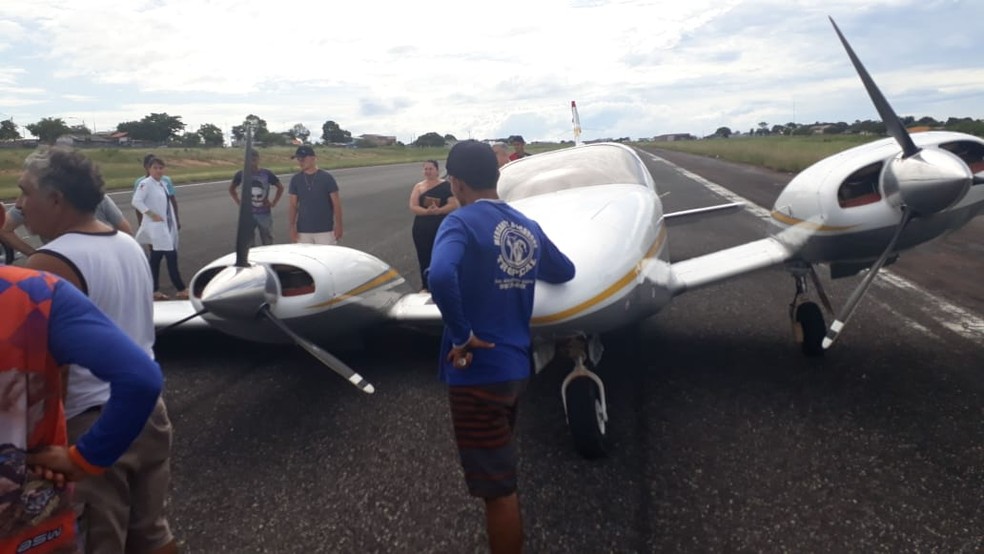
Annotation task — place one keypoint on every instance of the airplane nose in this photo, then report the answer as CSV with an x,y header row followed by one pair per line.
x,y
929,181
240,292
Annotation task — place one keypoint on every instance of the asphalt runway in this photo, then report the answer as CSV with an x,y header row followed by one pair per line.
x,y
724,438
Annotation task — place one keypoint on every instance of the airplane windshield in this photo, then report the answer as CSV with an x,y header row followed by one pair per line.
x,y
585,166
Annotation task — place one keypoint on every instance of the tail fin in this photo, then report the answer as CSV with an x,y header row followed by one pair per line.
x,y
576,120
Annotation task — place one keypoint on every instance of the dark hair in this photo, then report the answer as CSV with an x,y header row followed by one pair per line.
x,y
434,163
155,160
474,163
69,172
146,160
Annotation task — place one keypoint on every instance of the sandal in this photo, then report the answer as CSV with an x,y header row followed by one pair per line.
x,y
158,295
183,295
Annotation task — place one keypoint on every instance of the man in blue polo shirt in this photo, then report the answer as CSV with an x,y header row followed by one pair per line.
x,y
487,258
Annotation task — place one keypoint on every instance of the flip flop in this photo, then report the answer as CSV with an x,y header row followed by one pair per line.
x,y
160,296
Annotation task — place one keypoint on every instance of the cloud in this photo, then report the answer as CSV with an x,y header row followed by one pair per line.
x,y
636,68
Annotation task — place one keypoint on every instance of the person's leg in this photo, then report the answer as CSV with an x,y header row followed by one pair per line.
x,y
172,270
504,524
324,238
102,502
264,224
484,421
149,531
155,267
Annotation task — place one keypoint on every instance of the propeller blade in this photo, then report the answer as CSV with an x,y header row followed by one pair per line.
x,y
163,330
892,122
324,357
852,302
244,230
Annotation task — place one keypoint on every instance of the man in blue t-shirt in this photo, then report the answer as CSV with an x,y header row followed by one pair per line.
x,y
259,194
487,258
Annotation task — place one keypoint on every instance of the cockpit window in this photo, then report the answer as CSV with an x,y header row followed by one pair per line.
x,y
861,187
972,153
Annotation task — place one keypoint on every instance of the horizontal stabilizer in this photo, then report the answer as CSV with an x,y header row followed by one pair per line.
x,y
169,312
724,264
720,209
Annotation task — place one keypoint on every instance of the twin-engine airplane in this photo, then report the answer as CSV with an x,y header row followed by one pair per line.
x,y
855,210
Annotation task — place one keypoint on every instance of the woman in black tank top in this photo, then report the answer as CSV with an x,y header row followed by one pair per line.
x,y
430,201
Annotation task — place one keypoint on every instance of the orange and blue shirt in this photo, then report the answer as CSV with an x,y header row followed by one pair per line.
x,y
45,324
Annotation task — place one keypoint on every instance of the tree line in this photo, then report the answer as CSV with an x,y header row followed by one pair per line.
x,y
161,128
966,125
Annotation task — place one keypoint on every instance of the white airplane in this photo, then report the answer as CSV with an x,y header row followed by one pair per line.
x,y
855,210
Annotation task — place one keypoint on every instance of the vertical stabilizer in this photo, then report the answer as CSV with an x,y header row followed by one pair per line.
x,y
576,120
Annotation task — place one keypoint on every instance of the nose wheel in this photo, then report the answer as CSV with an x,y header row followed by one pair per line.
x,y
809,327
583,394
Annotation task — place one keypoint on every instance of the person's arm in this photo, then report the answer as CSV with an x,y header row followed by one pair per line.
x,y
415,202
236,179
139,203
46,261
442,281
114,216
450,206
174,206
8,233
292,217
80,333
336,206
554,266
275,181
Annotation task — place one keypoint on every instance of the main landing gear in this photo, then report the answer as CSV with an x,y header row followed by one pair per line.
x,y
805,316
583,394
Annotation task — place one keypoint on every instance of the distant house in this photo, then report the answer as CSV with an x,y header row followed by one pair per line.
x,y
671,137
378,140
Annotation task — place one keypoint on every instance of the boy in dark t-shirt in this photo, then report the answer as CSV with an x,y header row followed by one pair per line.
x,y
259,193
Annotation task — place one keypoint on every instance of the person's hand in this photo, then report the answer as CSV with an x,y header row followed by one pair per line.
x,y
154,217
461,357
293,235
11,393
338,232
54,464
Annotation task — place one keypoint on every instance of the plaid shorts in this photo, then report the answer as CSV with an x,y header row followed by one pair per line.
x,y
484,419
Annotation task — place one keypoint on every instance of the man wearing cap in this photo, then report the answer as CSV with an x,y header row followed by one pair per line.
x,y
487,258
260,202
315,214
519,147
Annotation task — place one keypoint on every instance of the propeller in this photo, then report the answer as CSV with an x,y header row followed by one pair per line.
x,y
920,182
245,291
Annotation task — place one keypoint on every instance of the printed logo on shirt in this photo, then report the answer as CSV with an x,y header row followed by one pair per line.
x,y
517,248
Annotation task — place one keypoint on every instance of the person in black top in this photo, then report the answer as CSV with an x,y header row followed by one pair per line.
x,y
430,201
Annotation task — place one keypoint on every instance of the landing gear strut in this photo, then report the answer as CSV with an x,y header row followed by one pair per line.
x,y
806,317
583,394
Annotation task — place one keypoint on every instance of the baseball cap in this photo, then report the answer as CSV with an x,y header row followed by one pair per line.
x,y
516,138
303,152
474,163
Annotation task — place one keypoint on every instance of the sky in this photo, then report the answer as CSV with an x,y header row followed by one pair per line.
x,y
487,69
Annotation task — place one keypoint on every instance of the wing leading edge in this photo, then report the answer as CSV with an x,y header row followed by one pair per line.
x,y
725,264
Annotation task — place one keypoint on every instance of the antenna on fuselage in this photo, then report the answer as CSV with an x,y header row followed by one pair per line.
x,y
576,121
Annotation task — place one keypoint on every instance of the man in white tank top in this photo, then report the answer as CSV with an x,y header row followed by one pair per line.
x,y
60,189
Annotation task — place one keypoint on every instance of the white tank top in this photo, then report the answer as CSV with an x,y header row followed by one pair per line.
x,y
115,275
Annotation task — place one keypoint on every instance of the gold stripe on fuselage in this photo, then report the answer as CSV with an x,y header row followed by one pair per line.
x,y
381,279
783,218
610,290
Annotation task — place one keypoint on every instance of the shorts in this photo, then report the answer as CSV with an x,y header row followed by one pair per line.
x,y
484,419
122,510
317,238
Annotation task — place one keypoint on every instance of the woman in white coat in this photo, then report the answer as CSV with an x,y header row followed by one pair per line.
x,y
158,228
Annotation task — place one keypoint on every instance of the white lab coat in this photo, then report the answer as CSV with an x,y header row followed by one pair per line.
x,y
160,235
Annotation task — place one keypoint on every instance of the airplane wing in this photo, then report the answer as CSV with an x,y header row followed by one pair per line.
x,y
169,312
417,309
724,264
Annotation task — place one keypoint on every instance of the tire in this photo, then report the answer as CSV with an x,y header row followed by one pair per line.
x,y
584,418
810,319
